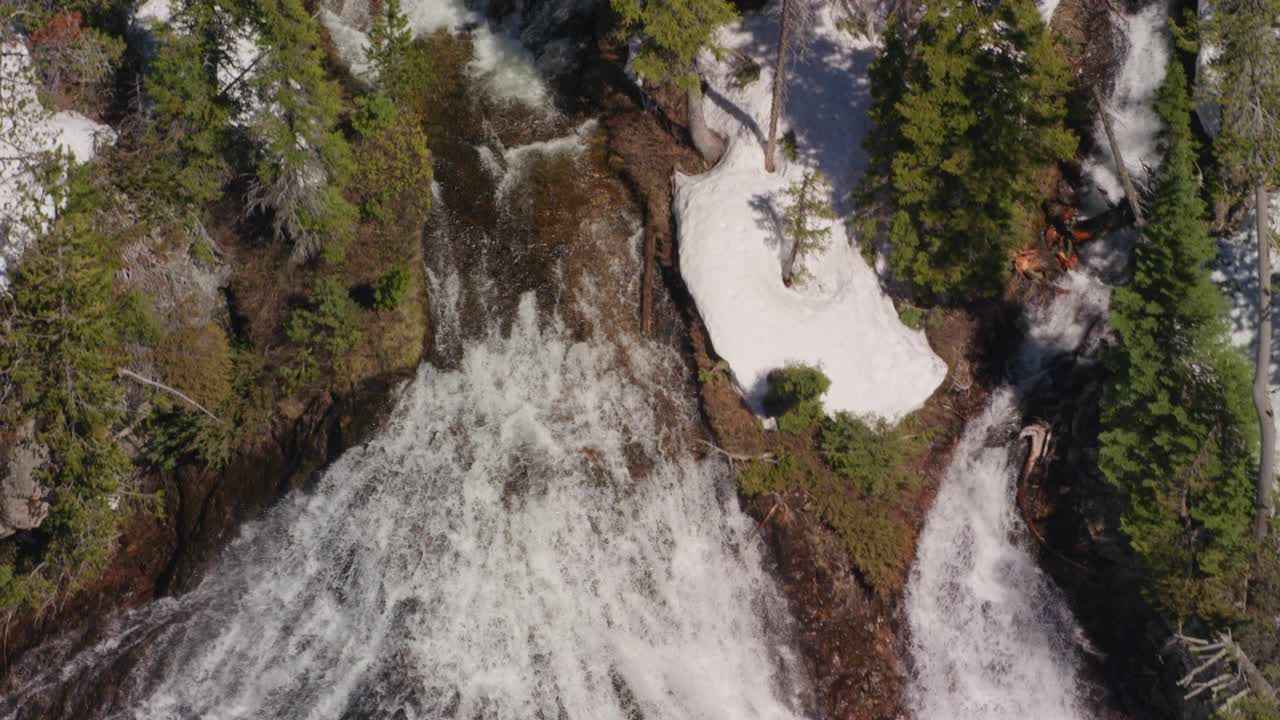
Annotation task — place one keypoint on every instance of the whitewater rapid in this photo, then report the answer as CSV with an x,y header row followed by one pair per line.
x,y
526,539
991,636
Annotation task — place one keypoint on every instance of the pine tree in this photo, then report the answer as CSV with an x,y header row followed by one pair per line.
x,y
1177,439
968,107
1247,86
58,351
807,220
675,32
303,158
390,40
192,113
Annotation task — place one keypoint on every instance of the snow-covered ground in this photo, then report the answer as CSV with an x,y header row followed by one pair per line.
x,y
1134,117
28,129
731,247
1237,273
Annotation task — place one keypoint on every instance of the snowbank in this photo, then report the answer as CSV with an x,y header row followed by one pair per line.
x,y
1237,273
29,131
1136,123
731,248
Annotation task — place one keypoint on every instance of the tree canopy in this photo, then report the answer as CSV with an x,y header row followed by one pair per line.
x,y
968,106
1178,439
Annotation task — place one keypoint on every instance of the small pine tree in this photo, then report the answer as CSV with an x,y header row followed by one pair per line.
x,y
1177,437
807,221
968,105
390,42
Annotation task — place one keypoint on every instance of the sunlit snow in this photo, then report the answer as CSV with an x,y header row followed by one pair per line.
x,y
731,247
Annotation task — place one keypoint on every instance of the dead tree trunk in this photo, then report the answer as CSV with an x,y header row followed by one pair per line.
x,y
1262,368
705,140
1129,192
779,81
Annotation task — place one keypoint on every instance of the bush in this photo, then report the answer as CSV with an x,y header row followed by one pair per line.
x,y
325,331
135,318
911,317
793,397
869,452
373,114
393,173
389,290
879,541
196,359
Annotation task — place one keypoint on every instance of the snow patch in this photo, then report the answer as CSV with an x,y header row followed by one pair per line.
x,y
30,131
731,246
1131,104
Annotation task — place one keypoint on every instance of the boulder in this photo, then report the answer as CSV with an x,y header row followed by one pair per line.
x,y
22,498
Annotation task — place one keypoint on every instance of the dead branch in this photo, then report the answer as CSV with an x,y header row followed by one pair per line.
x,y
127,373
735,457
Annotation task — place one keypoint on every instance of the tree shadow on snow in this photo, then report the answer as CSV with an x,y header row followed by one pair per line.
x,y
826,99
769,219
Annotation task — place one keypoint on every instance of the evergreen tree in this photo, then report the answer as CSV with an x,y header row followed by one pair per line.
x,y
807,219
1247,86
968,106
675,32
303,159
58,352
192,113
1177,439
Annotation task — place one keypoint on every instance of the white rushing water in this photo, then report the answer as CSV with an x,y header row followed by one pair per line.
x,y
991,635
496,552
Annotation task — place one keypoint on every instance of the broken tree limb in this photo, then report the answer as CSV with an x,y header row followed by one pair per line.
x,y
1130,193
127,373
735,457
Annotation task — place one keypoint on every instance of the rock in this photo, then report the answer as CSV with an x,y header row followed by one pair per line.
x,y
22,503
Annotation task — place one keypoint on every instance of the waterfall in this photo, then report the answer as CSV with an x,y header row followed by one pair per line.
x,y
991,636
531,535
524,540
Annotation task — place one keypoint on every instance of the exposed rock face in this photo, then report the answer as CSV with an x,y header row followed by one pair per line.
x,y
22,498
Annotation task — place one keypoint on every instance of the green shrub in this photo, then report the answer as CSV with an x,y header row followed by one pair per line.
x,y
392,178
716,374
911,317
373,114
878,539
389,290
870,452
1251,708
135,318
324,331
794,397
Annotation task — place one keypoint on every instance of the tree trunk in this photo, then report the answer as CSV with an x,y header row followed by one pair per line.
x,y
779,80
707,142
1129,192
1262,367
